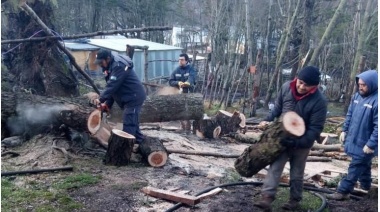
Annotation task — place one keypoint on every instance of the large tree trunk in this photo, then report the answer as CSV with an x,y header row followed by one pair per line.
x,y
40,67
268,148
25,109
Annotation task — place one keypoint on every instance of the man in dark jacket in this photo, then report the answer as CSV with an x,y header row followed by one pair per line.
x,y
124,87
359,135
183,78
303,97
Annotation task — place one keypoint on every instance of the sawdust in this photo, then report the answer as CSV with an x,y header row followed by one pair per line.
x,y
167,91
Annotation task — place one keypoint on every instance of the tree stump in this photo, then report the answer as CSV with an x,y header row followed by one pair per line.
x,y
229,122
206,128
153,151
120,146
268,148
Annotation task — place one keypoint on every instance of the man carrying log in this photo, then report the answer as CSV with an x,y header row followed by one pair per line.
x,y
303,97
359,135
124,87
183,78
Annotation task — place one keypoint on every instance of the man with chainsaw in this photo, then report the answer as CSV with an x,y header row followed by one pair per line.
x,y
303,97
124,88
360,135
183,78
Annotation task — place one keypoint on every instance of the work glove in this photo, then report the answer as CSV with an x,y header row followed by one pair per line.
x,y
368,150
289,143
342,137
180,84
186,84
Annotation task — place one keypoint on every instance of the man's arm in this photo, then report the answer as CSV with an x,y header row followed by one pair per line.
x,y
173,80
115,81
191,78
347,120
373,140
314,129
277,110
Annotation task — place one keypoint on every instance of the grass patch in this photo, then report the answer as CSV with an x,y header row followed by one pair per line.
x,y
231,176
15,198
310,202
77,181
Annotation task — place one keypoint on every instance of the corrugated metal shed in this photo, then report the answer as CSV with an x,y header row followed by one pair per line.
x,y
163,59
80,47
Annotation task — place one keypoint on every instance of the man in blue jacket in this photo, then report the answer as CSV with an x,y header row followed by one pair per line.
x,y
123,87
183,78
359,135
303,97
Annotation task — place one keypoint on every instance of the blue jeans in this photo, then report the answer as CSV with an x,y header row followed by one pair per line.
x,y
297,159
358,170
131,122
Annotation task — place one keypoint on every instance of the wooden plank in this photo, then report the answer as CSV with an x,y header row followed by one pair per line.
x,y
172,196
210,193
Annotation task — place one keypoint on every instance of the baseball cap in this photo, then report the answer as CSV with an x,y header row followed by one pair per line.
x,y
102,55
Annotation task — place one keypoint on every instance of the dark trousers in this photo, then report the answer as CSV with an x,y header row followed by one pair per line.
x,y
131,122
297,159
358,170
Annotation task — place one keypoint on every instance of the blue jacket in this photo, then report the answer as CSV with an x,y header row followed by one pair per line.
x,y
123,85
361,119
183,74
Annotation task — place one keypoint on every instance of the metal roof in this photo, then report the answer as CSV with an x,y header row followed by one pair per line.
x,y
119,45
80,47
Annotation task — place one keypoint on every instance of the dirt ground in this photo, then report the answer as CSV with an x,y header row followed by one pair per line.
x,y
119,188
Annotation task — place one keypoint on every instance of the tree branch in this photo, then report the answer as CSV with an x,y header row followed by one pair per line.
x,y
32,14
109,32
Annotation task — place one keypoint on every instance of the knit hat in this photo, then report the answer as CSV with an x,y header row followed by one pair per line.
x,y
310,75
102,55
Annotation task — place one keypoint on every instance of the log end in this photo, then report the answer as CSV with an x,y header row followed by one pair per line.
x,y
293,123
157,158
94,121
216,132
123,134
199,134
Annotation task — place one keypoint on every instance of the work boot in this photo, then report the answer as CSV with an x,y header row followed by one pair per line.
x,y
264,203
337,196
291,205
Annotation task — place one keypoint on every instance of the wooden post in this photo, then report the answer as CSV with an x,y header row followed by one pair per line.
x,y
146,62
120,146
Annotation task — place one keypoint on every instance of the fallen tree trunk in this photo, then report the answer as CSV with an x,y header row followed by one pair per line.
x,y
75,112
268,148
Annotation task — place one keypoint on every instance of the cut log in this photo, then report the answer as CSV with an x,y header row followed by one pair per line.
x,y
327,148
268,148
212,154
318,159
206,128
74,112
328,138
250,138
120,147
229,122
172,107
153,151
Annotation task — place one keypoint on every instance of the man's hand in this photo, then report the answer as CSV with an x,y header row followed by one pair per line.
x,y
368,150
103,107
180,84
96,102
342,137
287,142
